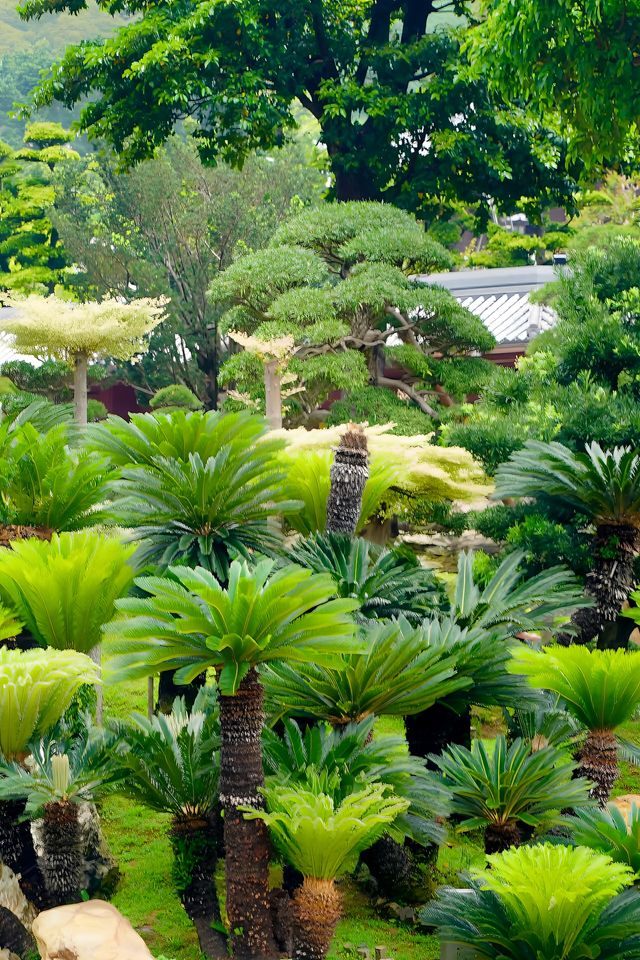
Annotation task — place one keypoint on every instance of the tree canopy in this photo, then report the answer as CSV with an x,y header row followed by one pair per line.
x,y
386,81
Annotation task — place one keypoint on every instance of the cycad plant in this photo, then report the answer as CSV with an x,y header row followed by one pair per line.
x,y
508,790
601,688
386,583
197,488
323,840
188,623
171,763
60,776
609,831
47,486
604,487
544,901
399,672
36,687
349,475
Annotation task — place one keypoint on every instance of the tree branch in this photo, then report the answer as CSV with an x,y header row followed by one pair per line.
x,y
409,392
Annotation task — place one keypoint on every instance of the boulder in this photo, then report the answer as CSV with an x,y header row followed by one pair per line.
x,y
93,930
625,803
12,897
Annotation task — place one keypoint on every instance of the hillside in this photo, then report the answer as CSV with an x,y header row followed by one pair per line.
x,y
57,32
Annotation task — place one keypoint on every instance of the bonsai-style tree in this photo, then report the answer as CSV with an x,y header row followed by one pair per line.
x,y
332,290
604,487
189,623
78,332
601,688
509,789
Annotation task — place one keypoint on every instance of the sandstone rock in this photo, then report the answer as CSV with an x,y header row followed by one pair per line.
x,y
93,930
12,897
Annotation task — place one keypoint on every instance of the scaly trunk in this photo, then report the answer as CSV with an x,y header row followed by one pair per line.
x,y
349,474
500,836
609,582
80,388
598,762
317,909
194,845
14,936
13,531
18,853
432,730
402,872
62,858
246,842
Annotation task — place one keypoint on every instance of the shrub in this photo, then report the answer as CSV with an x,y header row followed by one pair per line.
x,y
175,395
96,410
496,522
491,442
377,406
423,511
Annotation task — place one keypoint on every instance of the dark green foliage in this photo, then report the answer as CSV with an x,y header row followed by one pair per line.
x,y
491,442
386,583
495,522
96,410
608,831
175,395
546,542
376,406
441,513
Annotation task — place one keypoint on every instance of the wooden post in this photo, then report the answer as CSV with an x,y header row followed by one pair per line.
x,y
273,394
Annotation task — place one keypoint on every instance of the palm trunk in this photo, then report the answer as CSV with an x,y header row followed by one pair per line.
x,y
402,872
432,730
609,582
194,845
63,858
501,836
598,762
317,909
14,936
349,474
246,842
18,852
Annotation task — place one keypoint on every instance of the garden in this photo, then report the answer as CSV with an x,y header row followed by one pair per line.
x,y
319,618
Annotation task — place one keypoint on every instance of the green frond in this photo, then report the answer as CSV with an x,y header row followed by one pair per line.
x,y
608,831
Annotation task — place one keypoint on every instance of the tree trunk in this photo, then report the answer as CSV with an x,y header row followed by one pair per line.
x,y
598,762
246,842
18,853
168,690
500,836
96,656
273,394
62,858
15,937
609,582
403,872
80,388
194,845
432,730
317,909
349,475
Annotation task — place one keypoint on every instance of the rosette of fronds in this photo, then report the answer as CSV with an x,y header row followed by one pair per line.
x,y
544,901
36,687
608,830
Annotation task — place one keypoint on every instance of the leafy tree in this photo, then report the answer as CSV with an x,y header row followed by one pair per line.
x,y
601,688
322,839
604,487
188,623
580,61
166,229
75,332
422,134
508,789
333,283
506,912
32,259
174,396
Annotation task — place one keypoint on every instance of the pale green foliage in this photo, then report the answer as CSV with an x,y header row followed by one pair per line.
x,y
555,890
65,590
189,623
509,783
10,625
601,688
36,687
323,839
49,326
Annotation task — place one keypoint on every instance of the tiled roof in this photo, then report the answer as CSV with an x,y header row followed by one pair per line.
x,y
510,318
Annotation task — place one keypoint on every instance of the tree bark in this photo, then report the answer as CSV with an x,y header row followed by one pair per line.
x,y
194,843
349,475
598,762
62,858
15,937
18,852
80,388
432,730
246,842
501,836
273,394
317,909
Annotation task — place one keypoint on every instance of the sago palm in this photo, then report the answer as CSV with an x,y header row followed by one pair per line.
x,y
349,475
399,672
36,687
323,840
197,488
171,763
386,583
601,688
544,901
188,623
507,788
609,831
604,487
60,776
